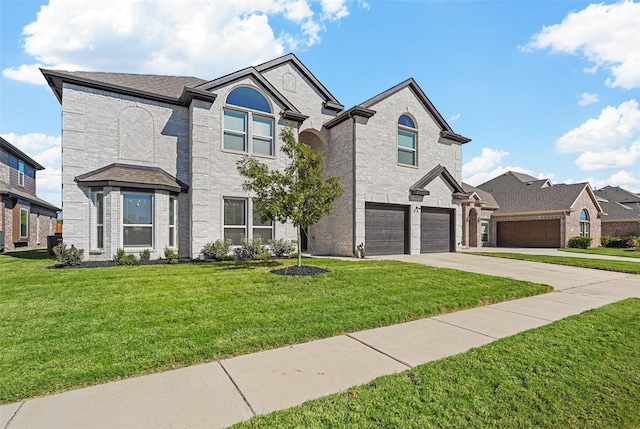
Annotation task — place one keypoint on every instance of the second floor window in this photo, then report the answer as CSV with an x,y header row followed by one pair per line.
x,y
21,173
407,141
248,124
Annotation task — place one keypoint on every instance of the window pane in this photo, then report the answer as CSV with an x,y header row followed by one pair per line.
x,y
100,237
235,121
172,207
249,98
406,139
137,209
99,209
265,233
262,126
234,212
172,236
24,222
256,218
235,234
138,236
262,146
406,157
234,141
584,215
406,121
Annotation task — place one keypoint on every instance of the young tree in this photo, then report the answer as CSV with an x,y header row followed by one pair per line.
x,y
300,193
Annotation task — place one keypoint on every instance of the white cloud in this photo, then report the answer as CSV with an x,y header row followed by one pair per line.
x,y
45,150
613,129
606,34
613,159
622,178
195,37
454,117
587,98
487,159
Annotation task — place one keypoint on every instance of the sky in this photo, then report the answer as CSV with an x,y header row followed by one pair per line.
x,y
548,88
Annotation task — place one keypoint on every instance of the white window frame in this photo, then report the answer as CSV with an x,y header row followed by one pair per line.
x,y
226,226
20,173
249,135
260,227
414,151
97,226
484,236
144,225
585,227
173,226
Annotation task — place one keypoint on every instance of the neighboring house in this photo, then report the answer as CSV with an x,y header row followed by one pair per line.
x,y
25,220
622,211
518,210
150,161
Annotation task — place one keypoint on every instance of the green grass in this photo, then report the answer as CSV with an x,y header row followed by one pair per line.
x,y
580,372
63,329
609,251
631,267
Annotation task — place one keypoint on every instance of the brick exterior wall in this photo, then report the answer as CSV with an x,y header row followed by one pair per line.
x,y
572,221
620,228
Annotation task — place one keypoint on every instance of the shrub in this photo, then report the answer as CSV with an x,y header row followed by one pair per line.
x,y
281,247
263,256
362,252
617,242
633,242
218,250
68,257
145,255
580,242
171,256
250,248
605,240
123,258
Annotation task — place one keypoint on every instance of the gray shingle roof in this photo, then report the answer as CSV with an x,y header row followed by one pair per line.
x,y
619,212
133,176
10,190
20,154
616,193
486,197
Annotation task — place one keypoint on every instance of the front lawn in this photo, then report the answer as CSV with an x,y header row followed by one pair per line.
x,y
631,267
63,329
609,251
580,372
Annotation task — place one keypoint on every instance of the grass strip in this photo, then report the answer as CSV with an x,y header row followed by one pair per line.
x,y
580,372
608,251
64,329
631,267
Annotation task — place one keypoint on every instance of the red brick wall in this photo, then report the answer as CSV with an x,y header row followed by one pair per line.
x,y
621,229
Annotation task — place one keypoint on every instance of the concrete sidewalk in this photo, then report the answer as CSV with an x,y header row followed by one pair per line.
x,y
549,252
219,394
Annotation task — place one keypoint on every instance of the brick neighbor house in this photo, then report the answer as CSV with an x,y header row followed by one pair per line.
x,y
150,161
518,210
622,211
25,219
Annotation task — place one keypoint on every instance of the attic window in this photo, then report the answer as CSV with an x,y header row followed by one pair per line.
x,y
248,98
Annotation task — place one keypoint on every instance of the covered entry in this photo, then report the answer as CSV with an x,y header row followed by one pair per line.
x,y
437,230
386,229
530,233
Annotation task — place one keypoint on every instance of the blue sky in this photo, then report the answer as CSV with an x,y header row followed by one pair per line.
x,y
549,88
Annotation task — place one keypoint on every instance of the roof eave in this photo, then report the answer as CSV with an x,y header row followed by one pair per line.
x,y
356,111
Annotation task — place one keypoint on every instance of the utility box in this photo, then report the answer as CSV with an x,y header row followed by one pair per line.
x,y
53,241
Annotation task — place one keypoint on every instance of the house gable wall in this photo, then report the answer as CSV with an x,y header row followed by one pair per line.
x,y
572,221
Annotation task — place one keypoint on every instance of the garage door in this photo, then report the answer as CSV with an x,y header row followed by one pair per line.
x,y
386,229
532,233
437,228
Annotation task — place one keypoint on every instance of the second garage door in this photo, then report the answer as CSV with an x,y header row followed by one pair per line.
x,y
436,230
531,233
386,229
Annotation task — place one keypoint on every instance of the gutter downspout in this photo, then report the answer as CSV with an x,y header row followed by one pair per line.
x,y
353,178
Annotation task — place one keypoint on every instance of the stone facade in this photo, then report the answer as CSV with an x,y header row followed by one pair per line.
x,y
620,228
103,125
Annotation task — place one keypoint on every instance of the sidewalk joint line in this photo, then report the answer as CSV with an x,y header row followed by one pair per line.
x,y
244,398
14,414
526,315
380,351
462,327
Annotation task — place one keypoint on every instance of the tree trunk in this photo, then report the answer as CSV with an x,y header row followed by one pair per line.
x,y
299,247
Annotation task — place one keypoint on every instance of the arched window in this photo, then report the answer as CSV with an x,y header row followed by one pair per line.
x,y
246,128
407,141
584,224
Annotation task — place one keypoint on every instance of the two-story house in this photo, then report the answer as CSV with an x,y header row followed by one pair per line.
x,y
150,161
25,219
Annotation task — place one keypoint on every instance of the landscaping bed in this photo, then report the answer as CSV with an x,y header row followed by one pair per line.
x,y
64,329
